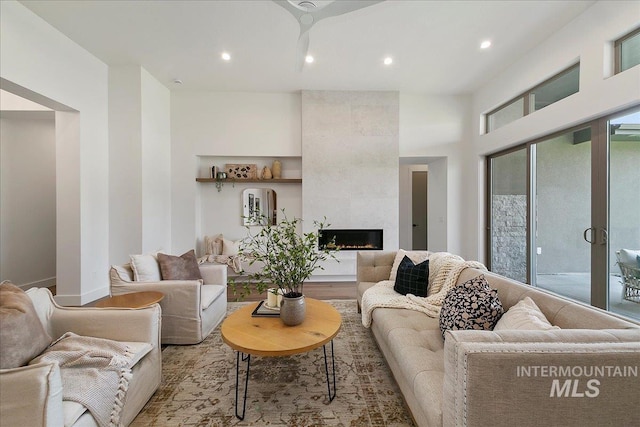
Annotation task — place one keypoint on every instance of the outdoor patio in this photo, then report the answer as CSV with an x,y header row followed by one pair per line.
x,y
578,287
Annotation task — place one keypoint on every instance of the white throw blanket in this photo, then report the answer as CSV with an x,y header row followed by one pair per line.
x,y
444,270
233,261
95,373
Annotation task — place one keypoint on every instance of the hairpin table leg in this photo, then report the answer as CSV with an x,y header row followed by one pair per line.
x,y
247,358
333,368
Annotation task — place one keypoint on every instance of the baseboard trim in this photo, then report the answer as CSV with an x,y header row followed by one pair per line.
x,y
44,283
76,300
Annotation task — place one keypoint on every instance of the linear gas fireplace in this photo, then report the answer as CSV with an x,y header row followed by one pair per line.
x,y
350,239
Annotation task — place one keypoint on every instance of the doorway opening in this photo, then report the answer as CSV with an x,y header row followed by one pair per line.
x,y
423,203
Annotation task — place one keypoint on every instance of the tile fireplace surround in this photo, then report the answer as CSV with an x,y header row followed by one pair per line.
x,y
350,170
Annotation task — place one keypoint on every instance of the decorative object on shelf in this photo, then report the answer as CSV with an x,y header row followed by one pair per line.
x,y
266,173
258,206
220,177
241,171
276,169
287,257
214,172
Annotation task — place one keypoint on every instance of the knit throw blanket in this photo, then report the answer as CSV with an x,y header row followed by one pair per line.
x,y
95,373
233,261
444,270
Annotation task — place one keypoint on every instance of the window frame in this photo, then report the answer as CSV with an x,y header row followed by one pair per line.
x,y
526,96
617,47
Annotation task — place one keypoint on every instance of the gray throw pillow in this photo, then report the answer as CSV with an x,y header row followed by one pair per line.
x,y
471,305
183,267
22,336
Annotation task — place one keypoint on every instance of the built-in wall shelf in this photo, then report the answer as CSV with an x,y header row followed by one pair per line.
x,y
262,181
220,182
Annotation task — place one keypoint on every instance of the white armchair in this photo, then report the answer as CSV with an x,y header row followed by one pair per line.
x,y
31,395
191,309
629,263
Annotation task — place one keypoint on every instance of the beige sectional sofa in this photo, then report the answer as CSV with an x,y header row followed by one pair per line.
x,y
585,374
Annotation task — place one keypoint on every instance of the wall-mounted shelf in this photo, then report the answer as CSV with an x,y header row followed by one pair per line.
x,y
220,182
265,181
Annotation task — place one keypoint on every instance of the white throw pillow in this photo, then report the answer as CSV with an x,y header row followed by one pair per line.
x,y
229,247
213,245
525,315
416,256
629,256
146,268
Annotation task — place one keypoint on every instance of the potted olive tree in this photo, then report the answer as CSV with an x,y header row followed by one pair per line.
x,y
286,259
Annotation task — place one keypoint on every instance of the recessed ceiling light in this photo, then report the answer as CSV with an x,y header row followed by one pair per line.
x,y
485,44
388,60
177,81
309,59
226,56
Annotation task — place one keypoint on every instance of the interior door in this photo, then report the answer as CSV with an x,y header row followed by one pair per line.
x,y
419,181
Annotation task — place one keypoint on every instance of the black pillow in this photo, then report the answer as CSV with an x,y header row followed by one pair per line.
x,y
471,305
412,278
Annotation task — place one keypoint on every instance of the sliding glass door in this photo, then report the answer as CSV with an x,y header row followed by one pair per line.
x,y
561,209
508,213
624,214
581,213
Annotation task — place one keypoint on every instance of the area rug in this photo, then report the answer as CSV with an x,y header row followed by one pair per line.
x,y
198,385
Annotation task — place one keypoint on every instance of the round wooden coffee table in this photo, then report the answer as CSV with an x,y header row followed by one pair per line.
x,y
132,300
268,336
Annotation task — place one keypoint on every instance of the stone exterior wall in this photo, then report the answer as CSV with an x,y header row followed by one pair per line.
x,y
509,230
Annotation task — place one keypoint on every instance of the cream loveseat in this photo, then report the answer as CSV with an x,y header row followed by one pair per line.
x,y
191,309
584,374
31,395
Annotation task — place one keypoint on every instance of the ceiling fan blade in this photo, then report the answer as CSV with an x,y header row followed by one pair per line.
x,y
303,48
292,9
304,16
340,7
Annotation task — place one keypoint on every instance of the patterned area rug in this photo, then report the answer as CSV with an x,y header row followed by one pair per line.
x,y
198,385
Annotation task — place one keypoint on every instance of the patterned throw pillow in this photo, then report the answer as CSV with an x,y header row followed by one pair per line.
x,y
412,278
471,305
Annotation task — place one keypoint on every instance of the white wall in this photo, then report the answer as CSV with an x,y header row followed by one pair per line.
x,y
590,38
39,59
220,212
255,126
125,162
28,198
140,161
434,129
211,128
156,164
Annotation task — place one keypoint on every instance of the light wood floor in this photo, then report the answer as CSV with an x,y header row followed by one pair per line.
x,y
317,290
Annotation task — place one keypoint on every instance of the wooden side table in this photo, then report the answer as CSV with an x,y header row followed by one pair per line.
x,y
268,336
132,300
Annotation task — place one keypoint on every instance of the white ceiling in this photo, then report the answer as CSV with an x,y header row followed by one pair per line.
x,y
434,44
